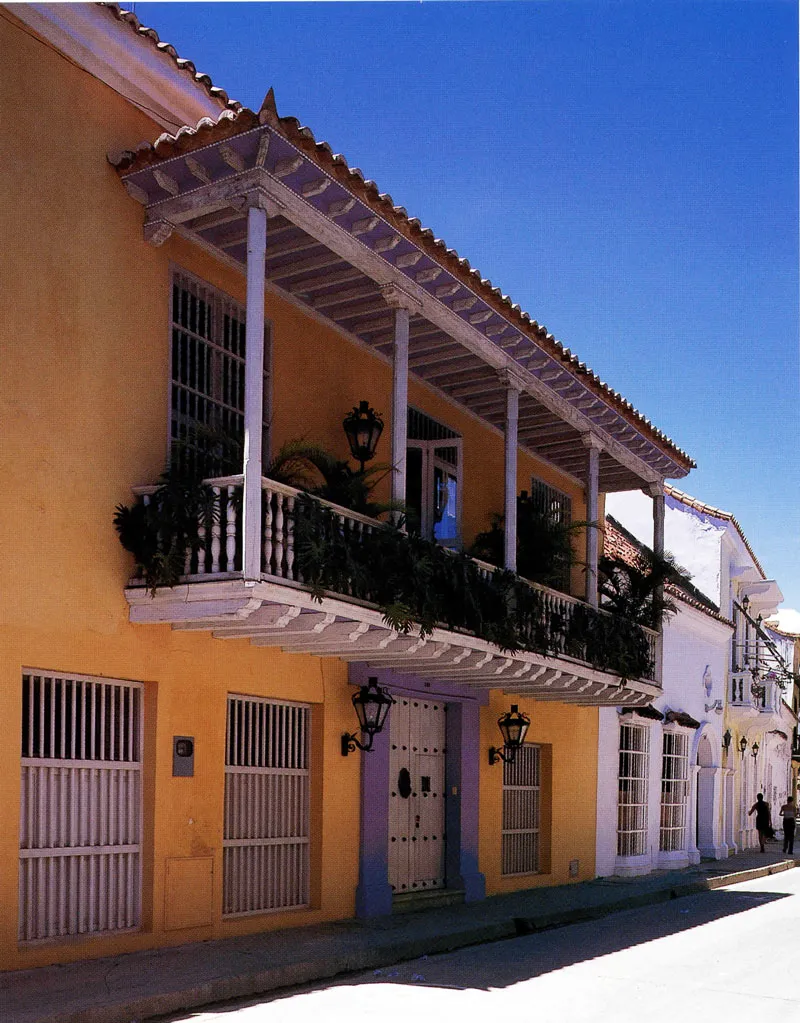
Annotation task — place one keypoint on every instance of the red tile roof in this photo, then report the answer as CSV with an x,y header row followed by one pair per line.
x,y
236,121
619,543
129,18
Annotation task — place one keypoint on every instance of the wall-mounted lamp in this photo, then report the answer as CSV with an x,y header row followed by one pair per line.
x,y
513,727
754,752
363,426
371,705
742,745
726,740
745,603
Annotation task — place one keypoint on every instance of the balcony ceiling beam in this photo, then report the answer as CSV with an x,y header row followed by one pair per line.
x,y
179,208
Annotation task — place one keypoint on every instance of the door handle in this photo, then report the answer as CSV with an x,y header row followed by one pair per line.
x,y
404,783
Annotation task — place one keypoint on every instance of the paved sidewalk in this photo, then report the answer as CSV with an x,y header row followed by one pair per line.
x,y
131,987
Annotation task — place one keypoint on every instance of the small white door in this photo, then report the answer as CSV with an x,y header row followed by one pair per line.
x,y
416,795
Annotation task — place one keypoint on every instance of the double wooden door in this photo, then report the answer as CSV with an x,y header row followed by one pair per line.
x,y
417,795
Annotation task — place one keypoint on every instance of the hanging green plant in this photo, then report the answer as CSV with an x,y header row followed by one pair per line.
x,y
545,553
420,585
163,530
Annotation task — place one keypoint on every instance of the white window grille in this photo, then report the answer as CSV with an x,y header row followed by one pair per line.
x,y
80,806
266,829
522,785
634,761
674,791
207,398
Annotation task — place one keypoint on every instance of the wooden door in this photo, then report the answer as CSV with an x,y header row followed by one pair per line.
x,y
417,795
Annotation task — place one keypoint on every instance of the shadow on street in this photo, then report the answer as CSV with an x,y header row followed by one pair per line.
x,y
505,963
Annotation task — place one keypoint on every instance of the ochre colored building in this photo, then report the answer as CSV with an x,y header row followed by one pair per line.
x,y
172,764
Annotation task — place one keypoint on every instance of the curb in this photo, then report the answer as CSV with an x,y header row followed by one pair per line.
x,y
530,925
383,951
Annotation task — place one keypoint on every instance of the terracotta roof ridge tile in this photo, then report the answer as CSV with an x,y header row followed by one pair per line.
x,y
202,79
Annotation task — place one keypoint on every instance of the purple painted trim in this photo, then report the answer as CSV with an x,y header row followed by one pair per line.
x,y
374,893
462,775
399,682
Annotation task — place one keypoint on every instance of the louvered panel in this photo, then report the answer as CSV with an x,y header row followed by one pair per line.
x,y
522,812
80,806
266,825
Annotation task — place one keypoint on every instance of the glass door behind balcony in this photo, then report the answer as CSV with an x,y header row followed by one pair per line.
x,y
433,489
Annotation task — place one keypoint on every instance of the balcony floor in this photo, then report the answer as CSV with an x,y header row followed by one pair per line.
x,y
275,614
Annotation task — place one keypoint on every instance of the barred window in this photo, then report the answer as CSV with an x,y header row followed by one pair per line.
x,y
552,504
522,786
674,791
634,761
267,805
80,806
207,398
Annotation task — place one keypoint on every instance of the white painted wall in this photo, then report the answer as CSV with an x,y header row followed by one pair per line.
x,y
693,538
696,651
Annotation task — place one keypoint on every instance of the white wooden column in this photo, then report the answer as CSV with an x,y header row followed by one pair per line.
x,y
402,304
254,389
594,447
656,491
510,491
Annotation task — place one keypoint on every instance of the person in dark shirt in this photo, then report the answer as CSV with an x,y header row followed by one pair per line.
x,y
789,813
763,824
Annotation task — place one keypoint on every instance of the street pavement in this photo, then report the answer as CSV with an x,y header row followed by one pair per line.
x,y
729,953
153,982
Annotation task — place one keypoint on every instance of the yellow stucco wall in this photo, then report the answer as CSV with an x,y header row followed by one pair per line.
x,y
83,414
569,794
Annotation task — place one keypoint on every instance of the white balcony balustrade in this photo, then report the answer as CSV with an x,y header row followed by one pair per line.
x,y
348,622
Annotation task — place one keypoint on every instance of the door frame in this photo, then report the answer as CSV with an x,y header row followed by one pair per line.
x,y
374,896
429,464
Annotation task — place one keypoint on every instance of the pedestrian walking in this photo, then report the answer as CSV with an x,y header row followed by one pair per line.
x,y
763,824
789,814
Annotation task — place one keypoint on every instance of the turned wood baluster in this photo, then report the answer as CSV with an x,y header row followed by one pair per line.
x,y
268,532
230,531
216,528
290,538
201,548
278,533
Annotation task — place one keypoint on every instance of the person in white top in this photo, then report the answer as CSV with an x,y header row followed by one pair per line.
x,y
789,815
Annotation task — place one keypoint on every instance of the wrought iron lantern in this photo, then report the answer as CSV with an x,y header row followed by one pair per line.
x,y
754,751
371,704
745,603
742,745
363,426
513,727
726,740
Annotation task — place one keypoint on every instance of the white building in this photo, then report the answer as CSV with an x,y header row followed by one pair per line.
x,y
662,779
677,784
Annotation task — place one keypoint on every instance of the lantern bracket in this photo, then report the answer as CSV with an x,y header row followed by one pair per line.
x,y
371,704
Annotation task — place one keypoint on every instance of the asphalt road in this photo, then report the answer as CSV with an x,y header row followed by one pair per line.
x,y
726,954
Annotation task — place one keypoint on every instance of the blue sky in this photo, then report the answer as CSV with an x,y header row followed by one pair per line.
x,y
626,171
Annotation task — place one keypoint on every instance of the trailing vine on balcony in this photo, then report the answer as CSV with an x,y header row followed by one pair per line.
x,y
161,532
418,584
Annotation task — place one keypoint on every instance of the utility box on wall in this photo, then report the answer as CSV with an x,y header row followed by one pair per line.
x,y
183,756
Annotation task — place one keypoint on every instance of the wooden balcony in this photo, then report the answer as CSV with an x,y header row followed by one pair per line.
x,y
565,649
